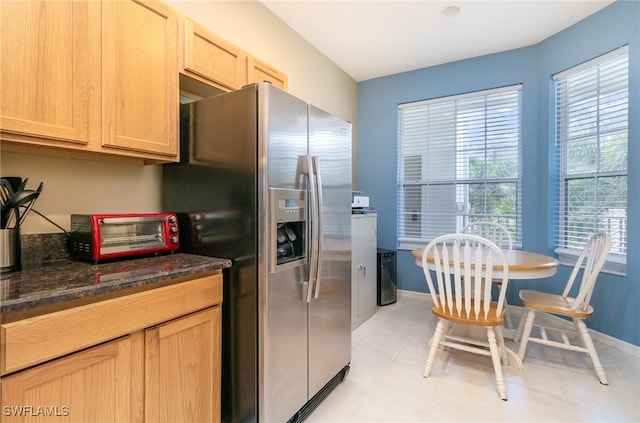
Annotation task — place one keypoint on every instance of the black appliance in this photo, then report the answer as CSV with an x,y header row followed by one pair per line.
x,y
387,277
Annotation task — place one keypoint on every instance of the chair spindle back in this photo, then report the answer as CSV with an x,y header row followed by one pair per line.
x,y
491,230
464,266
592,258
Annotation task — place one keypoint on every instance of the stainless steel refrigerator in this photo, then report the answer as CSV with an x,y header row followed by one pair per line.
x,y
265,180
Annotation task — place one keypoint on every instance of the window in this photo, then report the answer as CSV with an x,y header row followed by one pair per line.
x,y
591,132
459,162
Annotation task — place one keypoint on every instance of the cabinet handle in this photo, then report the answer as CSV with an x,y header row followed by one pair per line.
x,y
364,269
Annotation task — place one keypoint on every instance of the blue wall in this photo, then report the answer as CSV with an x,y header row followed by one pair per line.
x,y
616,299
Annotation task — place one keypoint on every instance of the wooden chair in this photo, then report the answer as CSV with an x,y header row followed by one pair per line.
x,y
577,308
472,258
491,230
500,236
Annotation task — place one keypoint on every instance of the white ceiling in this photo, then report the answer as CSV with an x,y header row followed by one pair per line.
x,y
373,38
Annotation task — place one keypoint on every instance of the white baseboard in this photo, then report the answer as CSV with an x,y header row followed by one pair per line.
x,y
516,311
414,294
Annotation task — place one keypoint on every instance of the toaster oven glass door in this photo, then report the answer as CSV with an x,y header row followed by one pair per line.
x,y
119,235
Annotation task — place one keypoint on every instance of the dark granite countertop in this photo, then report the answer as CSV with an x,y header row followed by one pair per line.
x,y
47,285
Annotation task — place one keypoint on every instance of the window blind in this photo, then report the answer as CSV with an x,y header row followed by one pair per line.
x,y
592,136
459,161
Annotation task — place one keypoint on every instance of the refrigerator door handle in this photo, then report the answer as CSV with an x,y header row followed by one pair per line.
x,y
319,236
312,226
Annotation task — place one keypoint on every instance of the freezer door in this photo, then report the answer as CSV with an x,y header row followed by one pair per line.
x,y
282,306
330,308
282,135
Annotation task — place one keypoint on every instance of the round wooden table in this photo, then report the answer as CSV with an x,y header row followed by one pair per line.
x,y
522,264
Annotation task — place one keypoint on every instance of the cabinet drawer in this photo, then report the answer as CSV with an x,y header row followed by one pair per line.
x,y
34,340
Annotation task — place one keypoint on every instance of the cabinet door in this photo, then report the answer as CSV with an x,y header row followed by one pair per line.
x,y
140,77
101,384
211,59
364,272
47,77
259,71
182,378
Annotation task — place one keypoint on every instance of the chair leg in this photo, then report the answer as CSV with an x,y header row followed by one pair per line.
x,y
501,346
508,323
588,343
497,366
526,331
447,328
435,342
518,335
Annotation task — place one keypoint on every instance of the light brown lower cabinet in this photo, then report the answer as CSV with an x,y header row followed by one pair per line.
x,y
181,362
167,370
100,384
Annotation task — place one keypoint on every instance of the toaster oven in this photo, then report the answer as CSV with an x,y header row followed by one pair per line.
x,y
98,237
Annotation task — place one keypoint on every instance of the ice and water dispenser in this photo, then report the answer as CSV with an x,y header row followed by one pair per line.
x,y
288,228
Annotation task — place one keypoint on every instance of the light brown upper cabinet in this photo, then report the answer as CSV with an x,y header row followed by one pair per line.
x,y
140,77
210,59
46,71
89,77
259,71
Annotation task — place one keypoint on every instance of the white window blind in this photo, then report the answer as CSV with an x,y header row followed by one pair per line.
x,y
591,135
459,161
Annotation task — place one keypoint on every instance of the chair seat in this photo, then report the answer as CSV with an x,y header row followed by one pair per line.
x,y
552,303
492,318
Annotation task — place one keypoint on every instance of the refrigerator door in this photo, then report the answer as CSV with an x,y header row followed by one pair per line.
x,y
330,308
214,191
282,306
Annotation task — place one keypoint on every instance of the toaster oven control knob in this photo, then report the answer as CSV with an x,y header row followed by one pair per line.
x,y
174,229
172,219
174,239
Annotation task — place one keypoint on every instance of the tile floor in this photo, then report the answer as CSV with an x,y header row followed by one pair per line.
x,y
385,383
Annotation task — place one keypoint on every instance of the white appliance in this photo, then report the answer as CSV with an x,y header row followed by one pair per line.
x,y
358,200
265,180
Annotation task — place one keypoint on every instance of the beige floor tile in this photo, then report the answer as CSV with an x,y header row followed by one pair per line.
x,y
385,383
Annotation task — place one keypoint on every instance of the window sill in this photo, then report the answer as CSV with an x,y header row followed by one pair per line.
x,y
405,245
615,264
